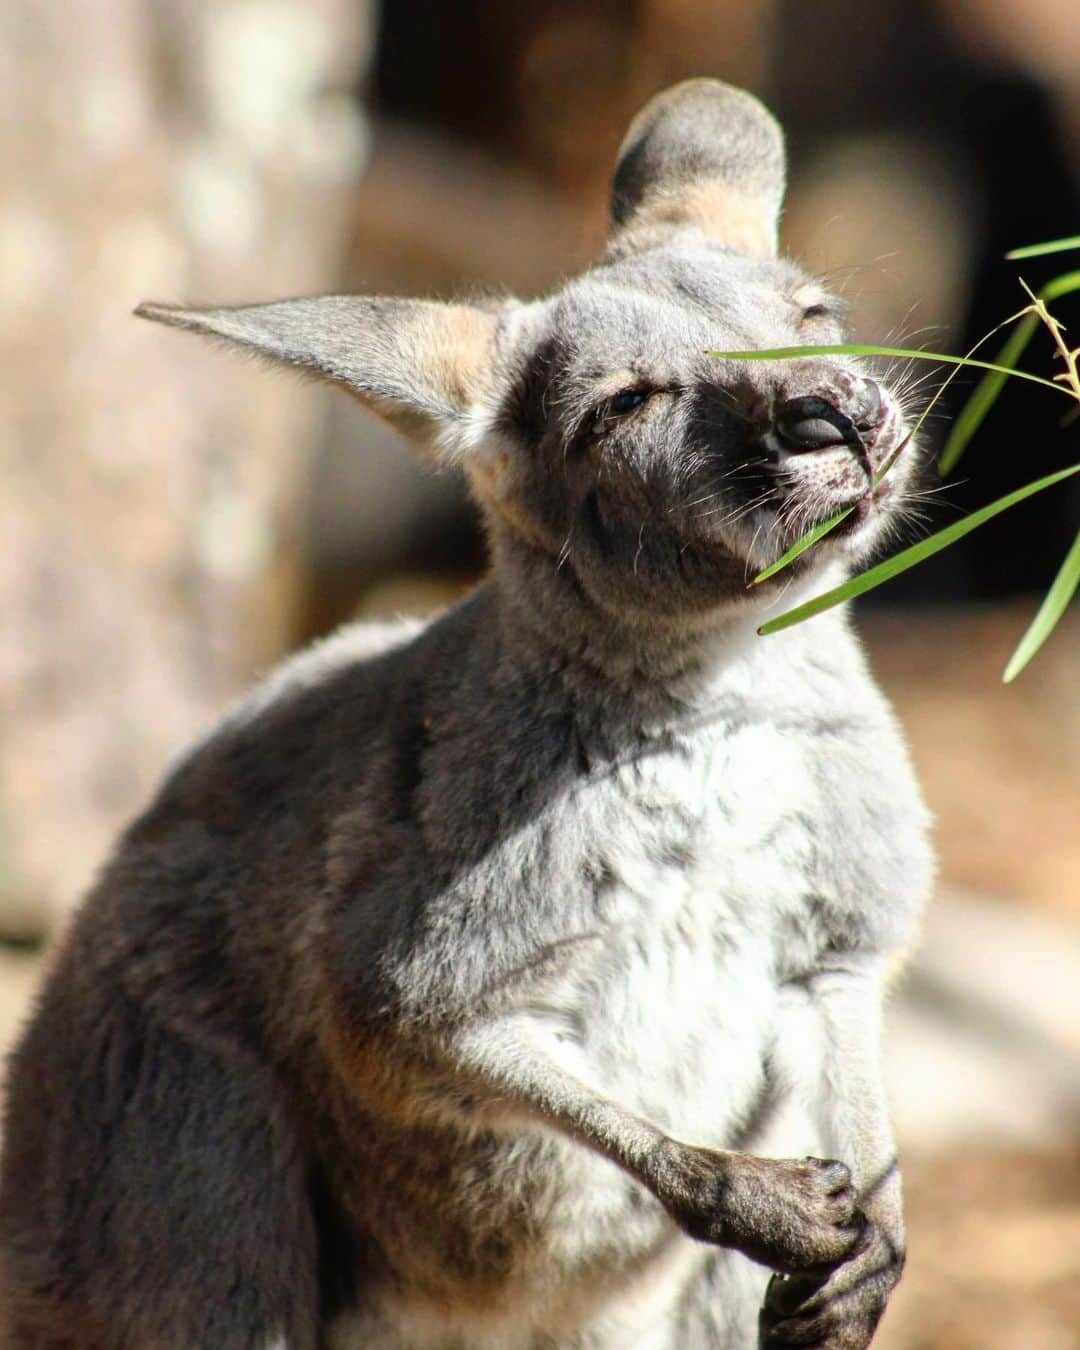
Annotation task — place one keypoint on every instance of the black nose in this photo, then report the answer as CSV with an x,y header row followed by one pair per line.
x,y
805,424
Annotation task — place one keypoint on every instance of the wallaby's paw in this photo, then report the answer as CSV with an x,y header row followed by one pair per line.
x,y
791,1215
839,1311
794,1215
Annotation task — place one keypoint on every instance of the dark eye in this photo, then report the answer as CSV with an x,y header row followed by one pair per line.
x,y
626,402
618,406
817,312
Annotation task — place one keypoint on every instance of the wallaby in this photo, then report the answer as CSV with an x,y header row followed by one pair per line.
x,y
483,983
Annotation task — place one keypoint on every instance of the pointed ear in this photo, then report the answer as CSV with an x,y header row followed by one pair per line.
x,y
703,153
425,366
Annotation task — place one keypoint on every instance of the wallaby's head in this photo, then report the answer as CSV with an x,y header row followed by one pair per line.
x,y
593,424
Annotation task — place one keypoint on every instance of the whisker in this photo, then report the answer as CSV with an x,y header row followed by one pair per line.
x,y
738,512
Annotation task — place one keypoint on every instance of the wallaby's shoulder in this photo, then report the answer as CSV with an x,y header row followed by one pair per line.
x,y
232,849
314,725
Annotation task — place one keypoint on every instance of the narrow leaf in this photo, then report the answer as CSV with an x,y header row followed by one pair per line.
x,y
940,393
1037,250
819,531
1059,286
909,557
801,545
1062,589
984,395
866,349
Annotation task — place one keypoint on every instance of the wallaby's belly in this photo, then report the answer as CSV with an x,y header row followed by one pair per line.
x,y
538,1237
671,1028
673,1011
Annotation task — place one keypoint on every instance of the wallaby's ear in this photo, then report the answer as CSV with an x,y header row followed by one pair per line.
x,y
702,153
427,367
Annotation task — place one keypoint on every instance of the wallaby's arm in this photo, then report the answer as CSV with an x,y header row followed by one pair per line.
x,y
790,1215
856,1128
856,1115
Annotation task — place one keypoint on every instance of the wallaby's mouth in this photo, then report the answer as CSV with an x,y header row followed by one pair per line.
x,y
823,459
815,452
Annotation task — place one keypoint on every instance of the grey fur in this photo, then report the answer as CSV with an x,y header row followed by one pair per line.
x,y
484,984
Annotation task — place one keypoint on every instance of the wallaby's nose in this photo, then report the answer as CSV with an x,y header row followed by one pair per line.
x,y
805,424
813,423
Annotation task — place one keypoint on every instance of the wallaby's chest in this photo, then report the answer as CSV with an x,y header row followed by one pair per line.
x,y
714,885
724,844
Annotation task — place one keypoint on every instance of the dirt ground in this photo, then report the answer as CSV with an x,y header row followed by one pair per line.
x,y
994,1223
1000,764
994,1253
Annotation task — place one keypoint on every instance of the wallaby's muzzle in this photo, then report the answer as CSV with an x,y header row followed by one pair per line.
x,y
826,448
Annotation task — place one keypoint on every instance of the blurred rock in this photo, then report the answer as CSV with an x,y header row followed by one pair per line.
x,y
983,1060
993,1252
434,212
177,151
1039,35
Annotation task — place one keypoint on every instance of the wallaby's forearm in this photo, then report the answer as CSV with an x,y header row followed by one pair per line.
x,y
790,1215
854,1118
854,1110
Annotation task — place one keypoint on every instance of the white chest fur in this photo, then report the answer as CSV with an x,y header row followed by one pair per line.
x,y
708,854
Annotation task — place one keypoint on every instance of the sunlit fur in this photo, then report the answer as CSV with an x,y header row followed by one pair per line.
x,y
483,984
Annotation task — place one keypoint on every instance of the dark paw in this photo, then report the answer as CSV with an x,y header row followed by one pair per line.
x,y
839,1311
791,1215
795,1216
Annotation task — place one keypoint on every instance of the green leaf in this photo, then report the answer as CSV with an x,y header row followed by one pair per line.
x,y
1037,250
867,349
909,557
984,396
1059,286
985,393
801,545
1054,605
941,393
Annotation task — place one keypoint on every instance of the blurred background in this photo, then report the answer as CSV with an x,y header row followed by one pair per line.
x,y
173,519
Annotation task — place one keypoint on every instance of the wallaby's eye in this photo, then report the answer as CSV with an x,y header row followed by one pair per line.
x,y
813,303
618,406
626,402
